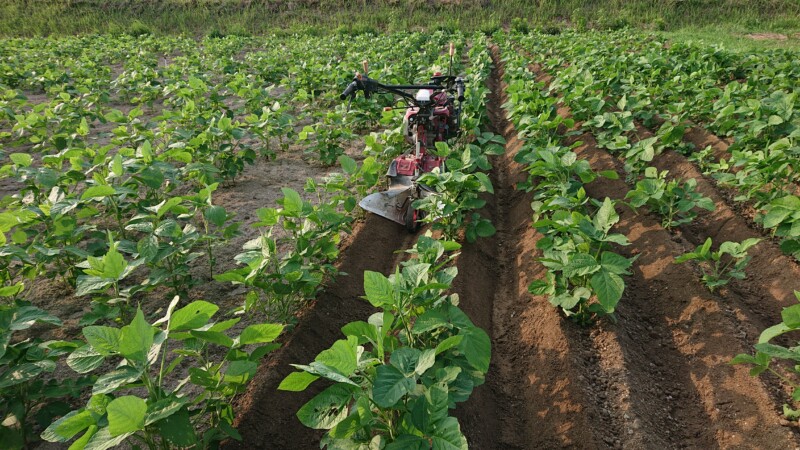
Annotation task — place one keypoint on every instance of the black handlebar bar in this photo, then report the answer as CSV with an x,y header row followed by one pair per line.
x,y
351,88
368,85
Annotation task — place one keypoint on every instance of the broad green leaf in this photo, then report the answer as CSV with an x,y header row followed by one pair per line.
x,y
775,217
25,316
167,205
214,337
104,340
178,429
239,372
426,360
192,316
608,286
119,378
408,442
260,333
216,215
776,351
114,264
365,332
163,408
348,164
14,289
126,414
605,216
773,331
448,436
430,320
484,228
68,426
116,165
581,264
486,183
24,372
447,344
341,356
390,386
136,339
103,440
791,316
85,359
87,284
292,202
297,381
615,263
326,409
378,289
98,192
405,359
21,159
477,347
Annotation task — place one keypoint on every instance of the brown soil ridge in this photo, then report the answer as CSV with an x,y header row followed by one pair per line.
x,y
265,416
675,350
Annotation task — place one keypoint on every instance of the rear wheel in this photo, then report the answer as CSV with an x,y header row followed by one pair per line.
x,y
412,219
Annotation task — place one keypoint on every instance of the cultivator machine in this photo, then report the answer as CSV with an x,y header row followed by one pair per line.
x,y
433,115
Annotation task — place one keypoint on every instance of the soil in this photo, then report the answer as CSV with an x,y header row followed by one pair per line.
x,y
767,36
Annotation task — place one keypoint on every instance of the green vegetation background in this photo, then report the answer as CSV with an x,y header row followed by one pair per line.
x,y
724,21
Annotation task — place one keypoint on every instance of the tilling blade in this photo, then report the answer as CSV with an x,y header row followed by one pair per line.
x,y
390,204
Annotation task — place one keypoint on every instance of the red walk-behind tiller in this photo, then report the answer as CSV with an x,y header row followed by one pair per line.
x,y
432,116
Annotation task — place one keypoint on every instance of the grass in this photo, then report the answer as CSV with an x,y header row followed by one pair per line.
x,y
718,21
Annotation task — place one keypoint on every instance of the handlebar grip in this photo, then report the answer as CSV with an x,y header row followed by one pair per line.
x,y
349,90
460,91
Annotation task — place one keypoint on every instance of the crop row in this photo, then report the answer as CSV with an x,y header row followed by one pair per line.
x,y
584,276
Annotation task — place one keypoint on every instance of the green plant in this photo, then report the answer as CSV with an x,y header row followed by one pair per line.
x,y
718,269
138,28
673,200
457,192
307,236
27,397
135,403
102,277
329,137
768,356
397,375
585,277
214,221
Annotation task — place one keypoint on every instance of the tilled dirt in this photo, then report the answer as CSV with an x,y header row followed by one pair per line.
x,y
658,377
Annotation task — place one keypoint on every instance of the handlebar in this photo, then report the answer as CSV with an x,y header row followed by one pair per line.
x,y
368,85
351,88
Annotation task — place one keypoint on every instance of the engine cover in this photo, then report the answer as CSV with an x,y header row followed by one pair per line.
x,y
405,165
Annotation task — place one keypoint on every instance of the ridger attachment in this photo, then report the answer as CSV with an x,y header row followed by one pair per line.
x,y
432,116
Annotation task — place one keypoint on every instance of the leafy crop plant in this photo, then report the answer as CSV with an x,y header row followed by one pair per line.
x,y
723,265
